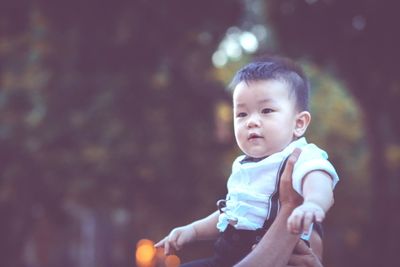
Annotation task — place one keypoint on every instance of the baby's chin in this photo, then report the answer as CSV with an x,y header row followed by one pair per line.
x,y
257,155
260,154
260,150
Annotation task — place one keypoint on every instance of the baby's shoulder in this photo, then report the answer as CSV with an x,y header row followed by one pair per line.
x,y
311,150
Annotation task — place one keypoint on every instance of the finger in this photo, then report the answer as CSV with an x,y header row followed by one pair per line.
x,y
173,246
179,243
170,244
290,224
294,229
160,243
296,224
319,216
308,218
291,161
288,196
166,248
172,240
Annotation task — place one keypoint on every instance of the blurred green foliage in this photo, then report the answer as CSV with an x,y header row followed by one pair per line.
x,y
106,125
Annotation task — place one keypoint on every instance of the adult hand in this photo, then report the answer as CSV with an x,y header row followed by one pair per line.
x,y
287,195
303,256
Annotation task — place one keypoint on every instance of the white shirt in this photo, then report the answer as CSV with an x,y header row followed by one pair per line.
x,y
252,184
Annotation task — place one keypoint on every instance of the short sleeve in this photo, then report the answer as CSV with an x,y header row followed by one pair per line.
x,y
311,159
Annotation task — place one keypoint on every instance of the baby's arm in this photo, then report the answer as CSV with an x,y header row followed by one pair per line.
x,y
202,229
318,198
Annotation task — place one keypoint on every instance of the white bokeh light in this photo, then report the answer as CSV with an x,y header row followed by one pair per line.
x,y
219,58
260,32
232,48
249,42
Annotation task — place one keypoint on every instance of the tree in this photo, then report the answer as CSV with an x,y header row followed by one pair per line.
x,y
108,104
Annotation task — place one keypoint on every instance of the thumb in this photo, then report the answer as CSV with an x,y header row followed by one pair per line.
x,y
293,159
287,172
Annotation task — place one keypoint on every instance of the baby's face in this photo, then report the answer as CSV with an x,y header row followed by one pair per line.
x,y
264,117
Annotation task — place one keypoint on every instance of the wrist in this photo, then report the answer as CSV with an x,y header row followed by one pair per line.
x,y
194,230
313,204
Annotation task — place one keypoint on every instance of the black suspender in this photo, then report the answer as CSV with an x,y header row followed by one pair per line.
x,y
274,198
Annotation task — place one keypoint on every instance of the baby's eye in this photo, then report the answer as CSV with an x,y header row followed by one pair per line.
x,y
241,114
266,110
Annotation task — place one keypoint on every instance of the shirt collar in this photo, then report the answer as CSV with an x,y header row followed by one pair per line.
x,y
287,150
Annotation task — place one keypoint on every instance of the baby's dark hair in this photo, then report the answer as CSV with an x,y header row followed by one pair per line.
x,y
280,69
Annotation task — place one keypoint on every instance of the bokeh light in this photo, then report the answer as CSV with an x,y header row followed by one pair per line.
x,y
249,42
238,42
219,58
172,261
232,48
145,253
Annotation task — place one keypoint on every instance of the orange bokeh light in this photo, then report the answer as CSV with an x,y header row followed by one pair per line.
x,y
172,261
145,252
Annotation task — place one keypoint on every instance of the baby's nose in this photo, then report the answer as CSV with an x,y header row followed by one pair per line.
x,y
253,121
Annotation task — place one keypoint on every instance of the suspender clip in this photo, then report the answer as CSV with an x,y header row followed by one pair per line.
x,y
221,204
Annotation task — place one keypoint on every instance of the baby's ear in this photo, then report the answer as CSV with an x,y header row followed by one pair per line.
x,y
303,119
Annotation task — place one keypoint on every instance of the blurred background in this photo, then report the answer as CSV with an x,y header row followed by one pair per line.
x,y
115,121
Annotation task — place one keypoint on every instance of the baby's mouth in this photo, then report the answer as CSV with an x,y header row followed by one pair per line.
x,y
254,136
